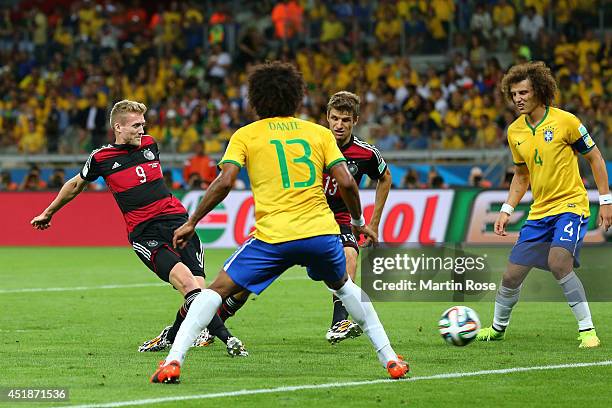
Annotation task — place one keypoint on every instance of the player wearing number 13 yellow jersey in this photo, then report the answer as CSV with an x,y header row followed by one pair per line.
x,y
544,142
284,158
293,153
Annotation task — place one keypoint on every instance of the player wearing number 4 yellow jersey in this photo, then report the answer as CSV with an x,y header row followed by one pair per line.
x,y
544,142
285,158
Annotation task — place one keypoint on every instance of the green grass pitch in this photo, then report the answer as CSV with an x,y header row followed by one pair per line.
x,y
86,340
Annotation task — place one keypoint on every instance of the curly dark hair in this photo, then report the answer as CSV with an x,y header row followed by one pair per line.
x,y
346,102
275,89
542,81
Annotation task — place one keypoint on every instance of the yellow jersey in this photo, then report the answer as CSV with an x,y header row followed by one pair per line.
x,y
549,150
285,158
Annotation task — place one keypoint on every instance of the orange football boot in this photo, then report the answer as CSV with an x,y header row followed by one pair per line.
x,y
397,369
167,374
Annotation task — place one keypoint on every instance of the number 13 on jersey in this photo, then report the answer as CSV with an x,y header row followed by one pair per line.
x,y
302,160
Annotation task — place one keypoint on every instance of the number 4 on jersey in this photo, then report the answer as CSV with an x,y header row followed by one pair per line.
x,y
537,158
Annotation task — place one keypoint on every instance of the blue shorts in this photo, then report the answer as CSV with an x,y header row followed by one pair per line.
x,y
256,264
566,230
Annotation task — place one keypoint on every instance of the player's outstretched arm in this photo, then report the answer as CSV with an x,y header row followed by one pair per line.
x,y
518,188
598,167
383,186
216,192
350,195
69,190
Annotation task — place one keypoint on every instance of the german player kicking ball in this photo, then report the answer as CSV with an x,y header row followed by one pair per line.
x,y
545,142
132,170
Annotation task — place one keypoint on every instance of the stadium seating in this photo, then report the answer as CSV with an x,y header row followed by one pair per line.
x,y
63,70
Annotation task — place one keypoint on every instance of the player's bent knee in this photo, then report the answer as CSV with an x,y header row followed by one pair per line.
x,y
560,261
225,286
514,275
337,284
182,279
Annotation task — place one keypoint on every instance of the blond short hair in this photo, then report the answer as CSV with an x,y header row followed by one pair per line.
x,y
346,102
126,106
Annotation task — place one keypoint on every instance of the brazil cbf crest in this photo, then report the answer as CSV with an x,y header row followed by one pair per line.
x,y
148,154
548,135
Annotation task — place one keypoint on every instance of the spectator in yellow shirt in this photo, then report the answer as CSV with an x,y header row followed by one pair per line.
x,y
504,20
332,28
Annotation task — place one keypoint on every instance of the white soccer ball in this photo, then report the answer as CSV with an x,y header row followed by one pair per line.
x,y
459,325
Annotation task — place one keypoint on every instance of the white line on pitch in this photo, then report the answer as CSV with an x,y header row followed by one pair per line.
x,y
129,285
335,385
74,288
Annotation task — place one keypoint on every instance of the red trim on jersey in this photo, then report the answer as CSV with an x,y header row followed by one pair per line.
x,y
146,141
108,153
356,152
343,217
128,178
165,206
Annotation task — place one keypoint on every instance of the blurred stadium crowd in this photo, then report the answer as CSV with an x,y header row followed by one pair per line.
x,y
64,63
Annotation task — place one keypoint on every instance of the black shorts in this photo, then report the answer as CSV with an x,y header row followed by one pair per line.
x,y
153,246
347,238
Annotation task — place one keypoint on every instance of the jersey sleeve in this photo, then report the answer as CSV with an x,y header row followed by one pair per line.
x,y
236,152
331,152
579,136
517,159
376,165
91,169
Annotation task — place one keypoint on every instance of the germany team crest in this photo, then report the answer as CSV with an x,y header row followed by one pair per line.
x,y
148,154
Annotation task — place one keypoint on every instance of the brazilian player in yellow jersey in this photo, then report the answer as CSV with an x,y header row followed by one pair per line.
x,y
284,158
545,142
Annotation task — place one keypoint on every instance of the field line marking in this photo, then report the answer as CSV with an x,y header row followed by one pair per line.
x,y
119,286
75,288
336,385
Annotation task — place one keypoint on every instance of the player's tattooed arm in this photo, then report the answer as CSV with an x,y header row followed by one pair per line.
x,y
216,192
518,188
598,167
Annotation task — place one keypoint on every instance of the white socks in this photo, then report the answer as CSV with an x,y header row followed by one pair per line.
x,y
576,299
201,312
365,316
505,299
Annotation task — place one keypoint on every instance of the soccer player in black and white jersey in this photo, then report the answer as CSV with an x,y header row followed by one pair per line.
x,y
362,159
132,171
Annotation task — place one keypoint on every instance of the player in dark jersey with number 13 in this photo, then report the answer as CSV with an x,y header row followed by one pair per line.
x,y
132,171
362,159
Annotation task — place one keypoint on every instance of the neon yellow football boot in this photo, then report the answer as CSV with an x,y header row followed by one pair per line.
x,y
588,339
489,334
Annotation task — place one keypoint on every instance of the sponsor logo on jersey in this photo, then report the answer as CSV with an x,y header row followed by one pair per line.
x,y
115,165
148,154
